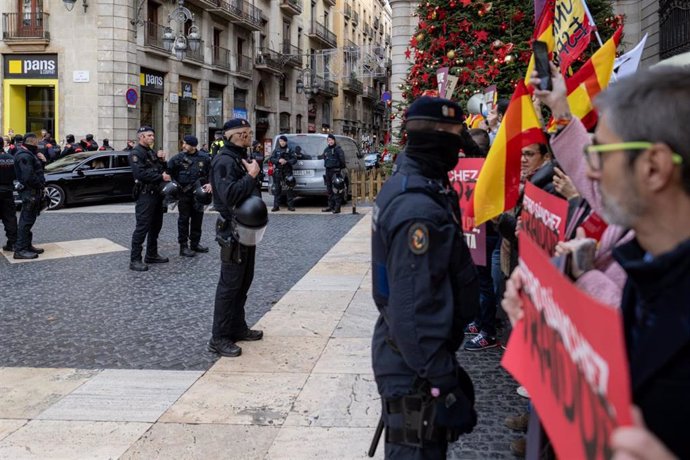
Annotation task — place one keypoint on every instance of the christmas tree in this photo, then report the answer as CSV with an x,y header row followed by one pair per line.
x,y
483,43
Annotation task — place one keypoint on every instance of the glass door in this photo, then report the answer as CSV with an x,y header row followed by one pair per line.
x,y
40,109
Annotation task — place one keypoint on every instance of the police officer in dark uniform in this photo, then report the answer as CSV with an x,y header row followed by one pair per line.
x,y
425,288
234,180
148,169
48,148
28,167
283,160
334,162
7,212
70,146
190,169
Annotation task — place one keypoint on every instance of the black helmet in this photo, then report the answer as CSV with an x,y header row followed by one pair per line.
x,y
338,183
169,190
290,181
202,196
250,219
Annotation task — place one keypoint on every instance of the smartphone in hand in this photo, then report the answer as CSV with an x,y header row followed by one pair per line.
x,y
541,64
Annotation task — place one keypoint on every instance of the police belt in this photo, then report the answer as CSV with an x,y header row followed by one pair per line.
x,y
420,427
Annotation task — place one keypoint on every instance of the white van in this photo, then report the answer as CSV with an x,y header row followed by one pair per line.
x,y
309,170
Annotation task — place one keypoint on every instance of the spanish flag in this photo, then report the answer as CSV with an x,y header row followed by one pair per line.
x,y
544,33
591,79
572,29
498,185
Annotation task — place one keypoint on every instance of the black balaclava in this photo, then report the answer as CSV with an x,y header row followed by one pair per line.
x,y
435,151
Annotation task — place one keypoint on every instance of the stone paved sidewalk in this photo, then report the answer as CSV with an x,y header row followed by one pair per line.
x,y
305,391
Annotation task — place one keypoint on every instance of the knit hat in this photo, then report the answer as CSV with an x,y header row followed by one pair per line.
x,y
191,140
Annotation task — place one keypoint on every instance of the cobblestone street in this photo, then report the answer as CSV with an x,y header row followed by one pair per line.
x,y
91,313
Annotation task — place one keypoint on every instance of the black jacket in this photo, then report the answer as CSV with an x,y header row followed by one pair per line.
x,y
29,169
188,169
230,180
334,157
147,168
287,155
7,174
656,322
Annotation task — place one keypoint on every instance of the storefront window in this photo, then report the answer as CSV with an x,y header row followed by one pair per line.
x,y
152,114
40,109
187,111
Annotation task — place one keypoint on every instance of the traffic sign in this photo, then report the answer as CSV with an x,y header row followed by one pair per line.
x,y
132,97
386,96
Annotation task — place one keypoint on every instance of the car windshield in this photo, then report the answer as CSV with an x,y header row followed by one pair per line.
x,y
371,156
309,147
69,160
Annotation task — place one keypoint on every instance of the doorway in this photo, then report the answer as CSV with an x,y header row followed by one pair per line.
x,y
40,109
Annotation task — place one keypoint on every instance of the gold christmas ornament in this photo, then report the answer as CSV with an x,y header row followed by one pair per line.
x,y
420,37
450,54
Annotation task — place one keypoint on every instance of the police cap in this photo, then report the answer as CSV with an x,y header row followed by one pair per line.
x,y
191,140
145,129
236,123
435,109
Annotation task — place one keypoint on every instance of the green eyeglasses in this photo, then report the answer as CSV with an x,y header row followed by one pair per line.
x,y
593,152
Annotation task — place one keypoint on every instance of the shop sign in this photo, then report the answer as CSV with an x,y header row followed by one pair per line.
x,y
186,90
152,81
239,113
31,66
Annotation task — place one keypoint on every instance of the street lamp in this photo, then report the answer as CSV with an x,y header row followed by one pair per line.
x,y
180,43
69,4
306,82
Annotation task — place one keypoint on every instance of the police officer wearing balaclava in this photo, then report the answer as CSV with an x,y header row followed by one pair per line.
x,y
190,169
28,167
234,180
148,169
283,159
8,215
425,288
334,162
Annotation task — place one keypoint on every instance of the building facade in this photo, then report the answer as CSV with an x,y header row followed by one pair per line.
x,y
105,67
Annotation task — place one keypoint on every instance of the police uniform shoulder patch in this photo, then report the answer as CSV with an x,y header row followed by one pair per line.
x,y
418,238
201,164
135,159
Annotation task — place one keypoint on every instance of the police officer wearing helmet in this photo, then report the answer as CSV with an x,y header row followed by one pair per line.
x,y
333,161
28,167
148,169
235,195
283,160
425,288
190,169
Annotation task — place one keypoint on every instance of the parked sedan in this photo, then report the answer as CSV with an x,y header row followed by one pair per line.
x,y
88,177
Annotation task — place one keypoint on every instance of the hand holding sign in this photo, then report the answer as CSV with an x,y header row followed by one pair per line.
x,y
637,442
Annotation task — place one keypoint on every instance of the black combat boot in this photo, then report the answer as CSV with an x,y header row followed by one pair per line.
x,y
9,247
199,248
138,266
36,250
186,252
25,255
155,259
250,335
224,347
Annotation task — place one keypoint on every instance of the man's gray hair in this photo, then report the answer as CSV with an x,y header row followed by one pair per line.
x,y
654,106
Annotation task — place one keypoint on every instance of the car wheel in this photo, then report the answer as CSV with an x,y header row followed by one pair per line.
x,y
56,195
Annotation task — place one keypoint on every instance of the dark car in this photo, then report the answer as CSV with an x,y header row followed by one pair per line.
x,y
88,177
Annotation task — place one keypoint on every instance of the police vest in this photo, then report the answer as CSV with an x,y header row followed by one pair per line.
x,y
331,159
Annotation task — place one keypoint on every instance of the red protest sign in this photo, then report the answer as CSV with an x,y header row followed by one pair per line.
x,y
594,226
574,368
543,217
464,178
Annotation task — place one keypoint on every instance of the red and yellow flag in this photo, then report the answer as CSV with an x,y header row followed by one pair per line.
x,y
572,30
544,33
498,185
591,79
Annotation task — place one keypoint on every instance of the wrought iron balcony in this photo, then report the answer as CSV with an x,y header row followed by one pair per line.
x,y
153,36
380,107
674,28
350,45
196,56
388,39
321,33
222,58
376,23
25,27
292,55
347,11
242,66
269,60
330,2
355,18
353,86
239,12
329,88
370,93
366,29
291,7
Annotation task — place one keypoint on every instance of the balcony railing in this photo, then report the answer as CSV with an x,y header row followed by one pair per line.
x,y
269,60
352,85
25,26
239,12
330,88
376,23
196,56
674,28
351,114
366,29
370,93
350,45
222,58
243,66
292,55
153,36
347,11
355,17
292,7
321,32
388,39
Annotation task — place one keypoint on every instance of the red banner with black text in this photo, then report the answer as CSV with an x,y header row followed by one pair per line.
x,y
543,217
464,178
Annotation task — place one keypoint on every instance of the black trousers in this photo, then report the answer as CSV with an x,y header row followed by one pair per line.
x,y
231,295
27,219
189,222
149,214
278,190
335,200
9,217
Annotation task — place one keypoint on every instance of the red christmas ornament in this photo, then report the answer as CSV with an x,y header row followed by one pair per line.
x,y
481,35
466,3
